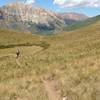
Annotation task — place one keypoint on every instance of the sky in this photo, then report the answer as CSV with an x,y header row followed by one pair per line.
x,y
88,7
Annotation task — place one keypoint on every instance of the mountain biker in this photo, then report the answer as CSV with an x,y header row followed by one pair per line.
x,y
17,53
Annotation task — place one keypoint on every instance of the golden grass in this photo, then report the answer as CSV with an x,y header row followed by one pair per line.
x,y
72,60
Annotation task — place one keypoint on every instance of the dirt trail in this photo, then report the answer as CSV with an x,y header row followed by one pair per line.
x,y
51,90
49,85
18,63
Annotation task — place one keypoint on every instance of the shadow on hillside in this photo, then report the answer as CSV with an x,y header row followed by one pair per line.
x,y
42,44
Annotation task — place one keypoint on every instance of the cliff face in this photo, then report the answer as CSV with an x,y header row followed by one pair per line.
x,y
25,17
28,13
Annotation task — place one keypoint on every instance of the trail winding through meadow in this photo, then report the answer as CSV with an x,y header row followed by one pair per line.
x,y
49,85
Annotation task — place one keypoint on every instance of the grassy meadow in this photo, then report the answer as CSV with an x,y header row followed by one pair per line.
x,y
70,59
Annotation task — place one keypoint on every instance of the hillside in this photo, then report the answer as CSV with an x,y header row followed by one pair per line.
x,y
78,25
11,37
69,66
72,18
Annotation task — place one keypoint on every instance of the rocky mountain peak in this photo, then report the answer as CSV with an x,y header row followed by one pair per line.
x,y
28,16
25,12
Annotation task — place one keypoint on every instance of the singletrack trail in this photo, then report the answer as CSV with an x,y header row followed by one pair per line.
x,y
18,63
51,90
49,85
18,59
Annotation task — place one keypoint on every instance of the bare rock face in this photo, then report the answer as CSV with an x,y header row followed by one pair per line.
x,y
26,13
26,17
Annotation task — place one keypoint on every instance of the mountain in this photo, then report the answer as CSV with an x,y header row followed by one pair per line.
x,y
70,18
73,16
24,17
82,24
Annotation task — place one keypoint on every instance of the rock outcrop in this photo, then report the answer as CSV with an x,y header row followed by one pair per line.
x,y
24,17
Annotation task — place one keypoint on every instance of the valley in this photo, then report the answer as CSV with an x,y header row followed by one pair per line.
x,y
71,61
59,54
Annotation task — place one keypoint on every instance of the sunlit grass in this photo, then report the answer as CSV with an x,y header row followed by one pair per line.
x,y
72,59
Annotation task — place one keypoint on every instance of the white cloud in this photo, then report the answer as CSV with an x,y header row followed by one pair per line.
x,y
77,3
30,1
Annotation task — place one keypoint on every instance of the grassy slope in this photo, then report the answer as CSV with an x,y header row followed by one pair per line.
x,y
72,60
11,37
13,77
76,62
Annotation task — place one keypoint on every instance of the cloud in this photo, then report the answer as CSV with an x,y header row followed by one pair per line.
x,y
77,3
30,1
